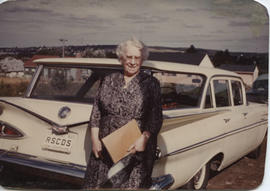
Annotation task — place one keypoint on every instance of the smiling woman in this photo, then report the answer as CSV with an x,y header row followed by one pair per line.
x,y
122,97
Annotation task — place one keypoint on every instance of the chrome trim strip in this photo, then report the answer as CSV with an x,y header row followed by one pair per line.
x,y
69,169
41,117
31,112
203,115
191,114
33,81
77,124
216,138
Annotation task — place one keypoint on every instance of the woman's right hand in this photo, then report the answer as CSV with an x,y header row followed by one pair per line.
x,y
96,147
96,143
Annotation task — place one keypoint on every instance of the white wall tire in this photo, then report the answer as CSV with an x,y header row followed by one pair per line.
x,y
200,180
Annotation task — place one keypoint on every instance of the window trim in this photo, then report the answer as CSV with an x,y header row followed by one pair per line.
x,y
229,88
211,97
229,78
243,92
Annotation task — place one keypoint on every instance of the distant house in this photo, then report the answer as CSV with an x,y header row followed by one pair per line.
x,y
30,66
249,73
198,59
11,67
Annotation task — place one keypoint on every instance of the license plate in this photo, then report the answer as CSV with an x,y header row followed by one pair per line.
x,y
60,143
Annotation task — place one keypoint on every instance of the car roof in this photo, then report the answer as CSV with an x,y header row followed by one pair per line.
x,y
156,65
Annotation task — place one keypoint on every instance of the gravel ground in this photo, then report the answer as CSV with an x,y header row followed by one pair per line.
x,y
245,174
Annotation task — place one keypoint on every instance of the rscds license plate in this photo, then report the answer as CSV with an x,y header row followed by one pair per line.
x,y
60,143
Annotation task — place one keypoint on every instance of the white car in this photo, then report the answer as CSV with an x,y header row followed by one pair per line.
x,y
208,123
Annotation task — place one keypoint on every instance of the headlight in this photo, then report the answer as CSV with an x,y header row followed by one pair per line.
x,y
8,131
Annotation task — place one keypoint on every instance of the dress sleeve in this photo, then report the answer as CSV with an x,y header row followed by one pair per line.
x,y
154,117
96,110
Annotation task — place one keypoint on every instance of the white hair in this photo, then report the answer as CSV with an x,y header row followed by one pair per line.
x,y
122,47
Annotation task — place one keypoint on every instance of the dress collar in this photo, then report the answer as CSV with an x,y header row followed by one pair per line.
x,y
135,80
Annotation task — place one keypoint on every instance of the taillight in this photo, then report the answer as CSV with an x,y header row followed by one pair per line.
x,y
7,130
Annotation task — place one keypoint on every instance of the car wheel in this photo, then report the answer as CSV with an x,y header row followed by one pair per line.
x,y
255,154
200,180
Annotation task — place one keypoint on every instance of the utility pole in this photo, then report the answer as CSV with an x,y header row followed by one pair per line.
x,y
63,46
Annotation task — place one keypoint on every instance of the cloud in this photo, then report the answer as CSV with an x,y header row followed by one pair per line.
x,y
27,10
172,23
193,26
144,18
45,2
239,23
182,10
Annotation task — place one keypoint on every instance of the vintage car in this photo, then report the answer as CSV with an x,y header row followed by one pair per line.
x,y
208,123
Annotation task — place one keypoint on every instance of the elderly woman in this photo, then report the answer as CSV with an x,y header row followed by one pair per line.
x,y
131,94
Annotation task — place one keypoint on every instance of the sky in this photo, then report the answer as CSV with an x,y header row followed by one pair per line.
x,y
236,25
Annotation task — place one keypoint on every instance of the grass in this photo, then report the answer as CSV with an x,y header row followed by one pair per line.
x,y
13,86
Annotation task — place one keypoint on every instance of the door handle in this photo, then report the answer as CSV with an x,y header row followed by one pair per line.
x,y
227,120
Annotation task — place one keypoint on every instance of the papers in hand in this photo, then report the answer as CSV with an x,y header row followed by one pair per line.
x,y
118,142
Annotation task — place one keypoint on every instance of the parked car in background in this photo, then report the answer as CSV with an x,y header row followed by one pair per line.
x,y
259,91
208,123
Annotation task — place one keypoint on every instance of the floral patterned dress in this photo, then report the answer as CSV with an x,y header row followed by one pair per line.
x,y
114,106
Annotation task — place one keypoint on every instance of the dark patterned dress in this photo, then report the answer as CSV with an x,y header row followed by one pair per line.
x,y
114,106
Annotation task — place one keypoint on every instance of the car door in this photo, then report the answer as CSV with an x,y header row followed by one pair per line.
x,y
232,119
250,117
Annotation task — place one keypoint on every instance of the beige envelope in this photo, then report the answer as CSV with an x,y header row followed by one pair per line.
x,y
118,142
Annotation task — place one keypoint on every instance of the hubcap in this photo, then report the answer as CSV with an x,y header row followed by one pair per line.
x,y
199,178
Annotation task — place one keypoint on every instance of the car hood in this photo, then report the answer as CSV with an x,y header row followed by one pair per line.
x,y
50,109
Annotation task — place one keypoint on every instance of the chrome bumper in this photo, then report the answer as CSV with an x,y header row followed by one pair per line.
x,y
69,169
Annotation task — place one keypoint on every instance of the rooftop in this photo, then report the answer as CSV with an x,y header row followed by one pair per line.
x,y
238,68
188,58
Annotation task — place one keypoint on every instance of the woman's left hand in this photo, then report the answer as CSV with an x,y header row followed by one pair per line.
x,y
140,143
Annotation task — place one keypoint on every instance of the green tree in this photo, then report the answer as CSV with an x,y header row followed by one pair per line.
x,y
223,57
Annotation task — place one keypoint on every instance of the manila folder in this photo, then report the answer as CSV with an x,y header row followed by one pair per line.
x,y
118,142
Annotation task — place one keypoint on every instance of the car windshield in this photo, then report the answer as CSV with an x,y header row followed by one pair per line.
x,y
179,90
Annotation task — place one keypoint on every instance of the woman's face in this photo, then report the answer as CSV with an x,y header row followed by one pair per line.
x,y
132,61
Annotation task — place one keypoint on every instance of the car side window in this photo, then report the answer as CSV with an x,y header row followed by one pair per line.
x,y
208,99
180,90
237,93
222,93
